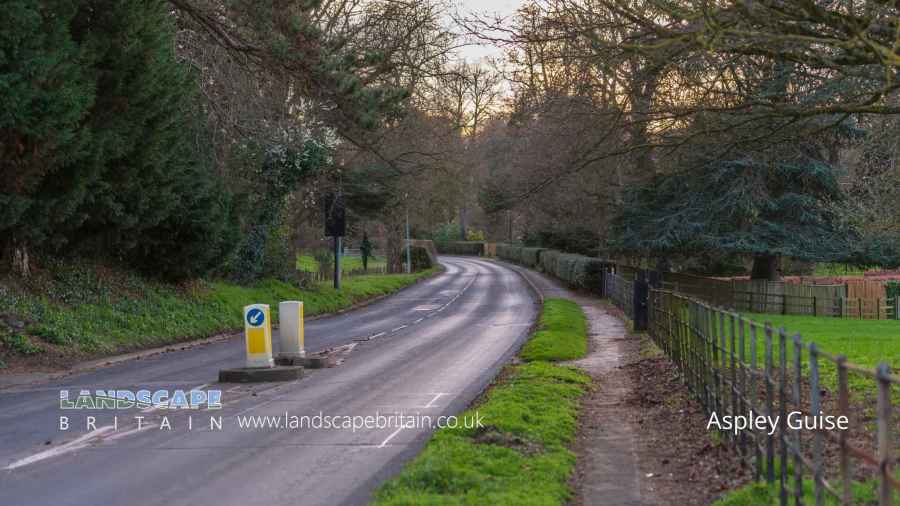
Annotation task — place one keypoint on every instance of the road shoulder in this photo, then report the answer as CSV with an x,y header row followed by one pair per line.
x,y
607,470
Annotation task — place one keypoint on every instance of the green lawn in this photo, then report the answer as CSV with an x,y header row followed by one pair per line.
x,y
864,342
830,269
760,494
308,263
560,334
520,456
91,313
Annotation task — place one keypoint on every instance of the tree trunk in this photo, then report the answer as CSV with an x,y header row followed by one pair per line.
x,y
17,259
765,267
462,223
394,245
663,264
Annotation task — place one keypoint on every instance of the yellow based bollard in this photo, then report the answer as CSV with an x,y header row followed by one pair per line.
x,y
290,316
258,335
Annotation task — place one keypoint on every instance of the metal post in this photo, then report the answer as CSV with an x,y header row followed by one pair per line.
x,y
408,255
337,262
639,303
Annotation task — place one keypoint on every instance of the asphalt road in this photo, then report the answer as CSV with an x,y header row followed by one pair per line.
x,y
437,345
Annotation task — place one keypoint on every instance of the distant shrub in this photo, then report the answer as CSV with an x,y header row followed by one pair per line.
x,y
421,260
892,289
460,248
529,257
571,239
474,235
576,270
446,233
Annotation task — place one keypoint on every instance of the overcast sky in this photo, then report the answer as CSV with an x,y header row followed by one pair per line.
x,y
503,7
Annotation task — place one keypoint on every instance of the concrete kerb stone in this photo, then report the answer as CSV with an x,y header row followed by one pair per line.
x,y
261,374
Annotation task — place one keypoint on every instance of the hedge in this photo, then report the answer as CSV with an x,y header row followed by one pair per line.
x,y
530,257
474,248
576,270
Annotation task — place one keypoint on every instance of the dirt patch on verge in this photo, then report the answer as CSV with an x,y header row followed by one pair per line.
x,y
679,459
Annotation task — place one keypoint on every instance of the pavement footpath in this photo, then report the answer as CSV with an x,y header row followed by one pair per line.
x,y
607,472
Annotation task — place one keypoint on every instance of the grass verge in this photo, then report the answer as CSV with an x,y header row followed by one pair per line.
x,y
520,455
761,494
79,310
561,335
308,263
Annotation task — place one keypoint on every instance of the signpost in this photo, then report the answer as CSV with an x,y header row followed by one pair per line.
x,y
336,227
258,332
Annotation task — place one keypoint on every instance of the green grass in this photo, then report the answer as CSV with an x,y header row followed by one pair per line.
x,y
308,263
519,457
864,342
92,313
760,494
830,269
562,333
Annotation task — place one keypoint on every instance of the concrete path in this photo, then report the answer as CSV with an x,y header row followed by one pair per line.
x,y
607,472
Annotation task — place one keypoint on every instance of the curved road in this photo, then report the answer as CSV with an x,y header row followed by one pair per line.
x,y
436,345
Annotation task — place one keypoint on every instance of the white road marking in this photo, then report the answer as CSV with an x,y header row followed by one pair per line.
x,y
386,441
425,307
432,401
75,444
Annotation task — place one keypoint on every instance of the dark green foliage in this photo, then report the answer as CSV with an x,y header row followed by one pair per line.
x,y
365,249
529,257
46,91
892,289
279,171
473,248
568,238
447,232
333,69
741,206
577,270
107,156
421,260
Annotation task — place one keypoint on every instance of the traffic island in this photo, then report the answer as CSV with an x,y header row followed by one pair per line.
x,y
260,368
261,374
310,362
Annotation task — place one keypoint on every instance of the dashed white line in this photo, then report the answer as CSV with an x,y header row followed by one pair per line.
x,y
432,401
386,441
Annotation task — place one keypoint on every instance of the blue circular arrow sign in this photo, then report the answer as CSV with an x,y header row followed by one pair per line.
x,y
256,317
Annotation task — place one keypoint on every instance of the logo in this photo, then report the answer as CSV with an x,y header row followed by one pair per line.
x,y
256,317
127,399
